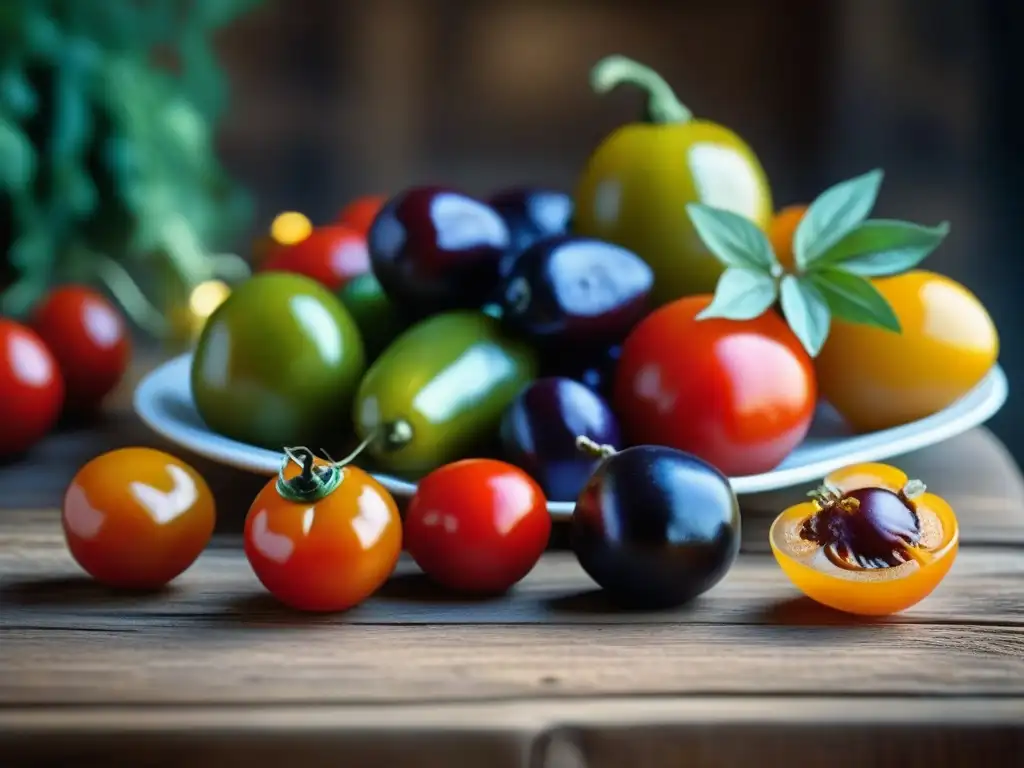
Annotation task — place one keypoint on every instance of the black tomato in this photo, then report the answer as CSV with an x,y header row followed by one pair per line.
x,y
574,290
656,527
864,528
435,249
594,368
540,428
532,214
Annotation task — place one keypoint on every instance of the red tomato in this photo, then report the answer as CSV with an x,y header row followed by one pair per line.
x,y
324,553
90,340
330,255
360,213
31,388
136,518
738,394
477,525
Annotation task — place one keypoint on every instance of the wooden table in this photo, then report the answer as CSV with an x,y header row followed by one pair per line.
x,y
213,670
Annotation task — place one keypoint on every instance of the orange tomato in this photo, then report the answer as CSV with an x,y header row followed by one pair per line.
x,y
875,557
323,551
360,213
878,379
136,518
781,231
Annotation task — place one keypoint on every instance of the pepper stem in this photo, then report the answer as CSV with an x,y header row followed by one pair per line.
x,y
585,445
662,104
396,434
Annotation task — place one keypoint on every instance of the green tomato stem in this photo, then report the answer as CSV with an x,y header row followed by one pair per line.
x,y
313,483
662,104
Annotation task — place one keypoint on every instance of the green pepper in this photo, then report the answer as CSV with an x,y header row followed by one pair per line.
x,y
439,391
635,187
278,363
377,317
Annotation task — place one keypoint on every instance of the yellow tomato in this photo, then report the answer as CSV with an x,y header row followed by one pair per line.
x,y
878,379
781,233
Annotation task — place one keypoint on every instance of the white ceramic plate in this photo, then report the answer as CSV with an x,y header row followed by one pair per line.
x,y
163,401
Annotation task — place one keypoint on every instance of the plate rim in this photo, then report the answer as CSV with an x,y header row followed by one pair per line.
x,y
992,392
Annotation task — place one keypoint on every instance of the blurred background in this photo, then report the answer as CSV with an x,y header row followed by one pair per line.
x,y
335,98
326,100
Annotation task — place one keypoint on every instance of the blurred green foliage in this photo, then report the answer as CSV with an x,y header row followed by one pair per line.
x,y
107,166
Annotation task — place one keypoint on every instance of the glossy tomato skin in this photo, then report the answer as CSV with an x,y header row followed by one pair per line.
x,y
738,394
656,527
330,255
31,389
360,213
435,249
329,554
539,430
136,518
477,526
90,340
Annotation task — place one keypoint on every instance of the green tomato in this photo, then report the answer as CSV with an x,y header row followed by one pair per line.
x,y
439,391
378,319
278,363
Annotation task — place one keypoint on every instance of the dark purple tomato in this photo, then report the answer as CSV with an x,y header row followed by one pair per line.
x,y
539,431
532,214
656,527
569,291
865,528
594,368
435,249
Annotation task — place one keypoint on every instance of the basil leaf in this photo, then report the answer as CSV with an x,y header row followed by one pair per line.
x,y
806,312
854,299
735,240
832,215
741,294
881,247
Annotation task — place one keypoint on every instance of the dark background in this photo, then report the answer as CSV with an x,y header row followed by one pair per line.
x,y
336,98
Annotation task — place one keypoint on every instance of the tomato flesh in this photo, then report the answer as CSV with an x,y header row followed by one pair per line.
x,y
867,584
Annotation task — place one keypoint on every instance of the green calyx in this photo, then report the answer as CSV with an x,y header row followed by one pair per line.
x,y
662,104
316,480
836,250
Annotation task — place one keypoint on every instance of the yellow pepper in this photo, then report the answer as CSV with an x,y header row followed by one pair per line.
x,y
635,187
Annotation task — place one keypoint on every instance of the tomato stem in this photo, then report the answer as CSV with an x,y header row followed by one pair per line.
x,y
598,450
662,104
313,483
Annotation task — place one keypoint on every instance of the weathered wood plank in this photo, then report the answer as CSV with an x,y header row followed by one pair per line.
x,y
40,587
565,733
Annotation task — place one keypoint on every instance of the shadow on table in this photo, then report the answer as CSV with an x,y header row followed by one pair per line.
x,y
73,591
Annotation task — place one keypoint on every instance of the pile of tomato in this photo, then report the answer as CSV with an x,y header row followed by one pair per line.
x,y
628,347
63,362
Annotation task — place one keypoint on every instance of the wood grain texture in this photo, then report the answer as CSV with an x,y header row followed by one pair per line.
x,y
550,675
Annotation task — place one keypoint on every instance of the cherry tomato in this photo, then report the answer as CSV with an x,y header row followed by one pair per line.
x,y
878,379
330,255
323,537
31,388
90,340
738,394
360,213
781,232
136,518
477,525
872,542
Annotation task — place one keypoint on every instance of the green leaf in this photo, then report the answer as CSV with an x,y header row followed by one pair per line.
x,y
881,247
17,158
833,214
735,240
741,294
806,312
854,299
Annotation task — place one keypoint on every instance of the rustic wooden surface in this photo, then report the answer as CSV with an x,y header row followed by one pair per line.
x,y
212,669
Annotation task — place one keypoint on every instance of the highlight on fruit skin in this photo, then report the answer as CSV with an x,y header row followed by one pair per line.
x,y
871,541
